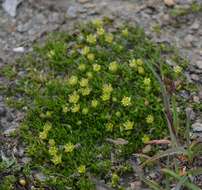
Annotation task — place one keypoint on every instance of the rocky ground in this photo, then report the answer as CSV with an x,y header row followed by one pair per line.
x,y
33,19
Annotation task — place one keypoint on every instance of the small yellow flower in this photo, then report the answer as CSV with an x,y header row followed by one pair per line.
x,y
73,80
97,22
150,119
96,67
126,101
74,98
133,63
145,139
118,114
139,62
90,56
47,127
91,39
83,82
69,147
113,66
85,91
51,54
177,69
109,38
85,111
85,50
53,150
125,32
107,88
94,103
82,67
109,127
100,31
105,96
75,108
57,159
43,135
128,125
140,70
147,81
51,142
81,169
65,109
89,75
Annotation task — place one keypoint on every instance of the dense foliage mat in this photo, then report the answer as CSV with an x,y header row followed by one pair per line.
x,y
91,98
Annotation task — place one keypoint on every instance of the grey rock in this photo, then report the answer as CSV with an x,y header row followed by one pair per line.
x,y
190,113
40,176
19,50
197,127
9,116
24,27
195,25
195,77
199,64
55,18
72,12
2,111
10,6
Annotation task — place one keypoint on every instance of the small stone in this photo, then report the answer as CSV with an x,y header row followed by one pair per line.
x,y
195,25
40,176
146,149
9,116
19,50
2,111
196,99
199,64
10,6
197,127
194,77
72,12
188,40
83,1
169,2
190,113
136,185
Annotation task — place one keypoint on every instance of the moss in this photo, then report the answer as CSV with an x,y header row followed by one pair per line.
x,y
112,95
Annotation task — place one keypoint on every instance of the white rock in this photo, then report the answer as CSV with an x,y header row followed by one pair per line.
x,y
10,6
19,49
197,127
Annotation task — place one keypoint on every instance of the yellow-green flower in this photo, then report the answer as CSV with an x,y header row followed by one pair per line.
x,y
128,125
133,63
107,88
89,75
74,98
145,139
139,62
73,80
96,67
147,81
150,119
126,101
43,135
85,91
91,39
51,54
65,109
94,103
83,82
82,67
51,142
109,127
177,69
57,159
115,180
113,66
118,114
140,70
109,38
90,56
100,31
81,169
53,150
85,111
69,147
85,50
47,127
75,108
97,22
105,96
125,32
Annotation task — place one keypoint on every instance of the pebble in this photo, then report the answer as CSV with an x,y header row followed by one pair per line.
x,y
83,1
197,127
199,64
72,12
2,111
10,6
195,77
19,50
195,25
